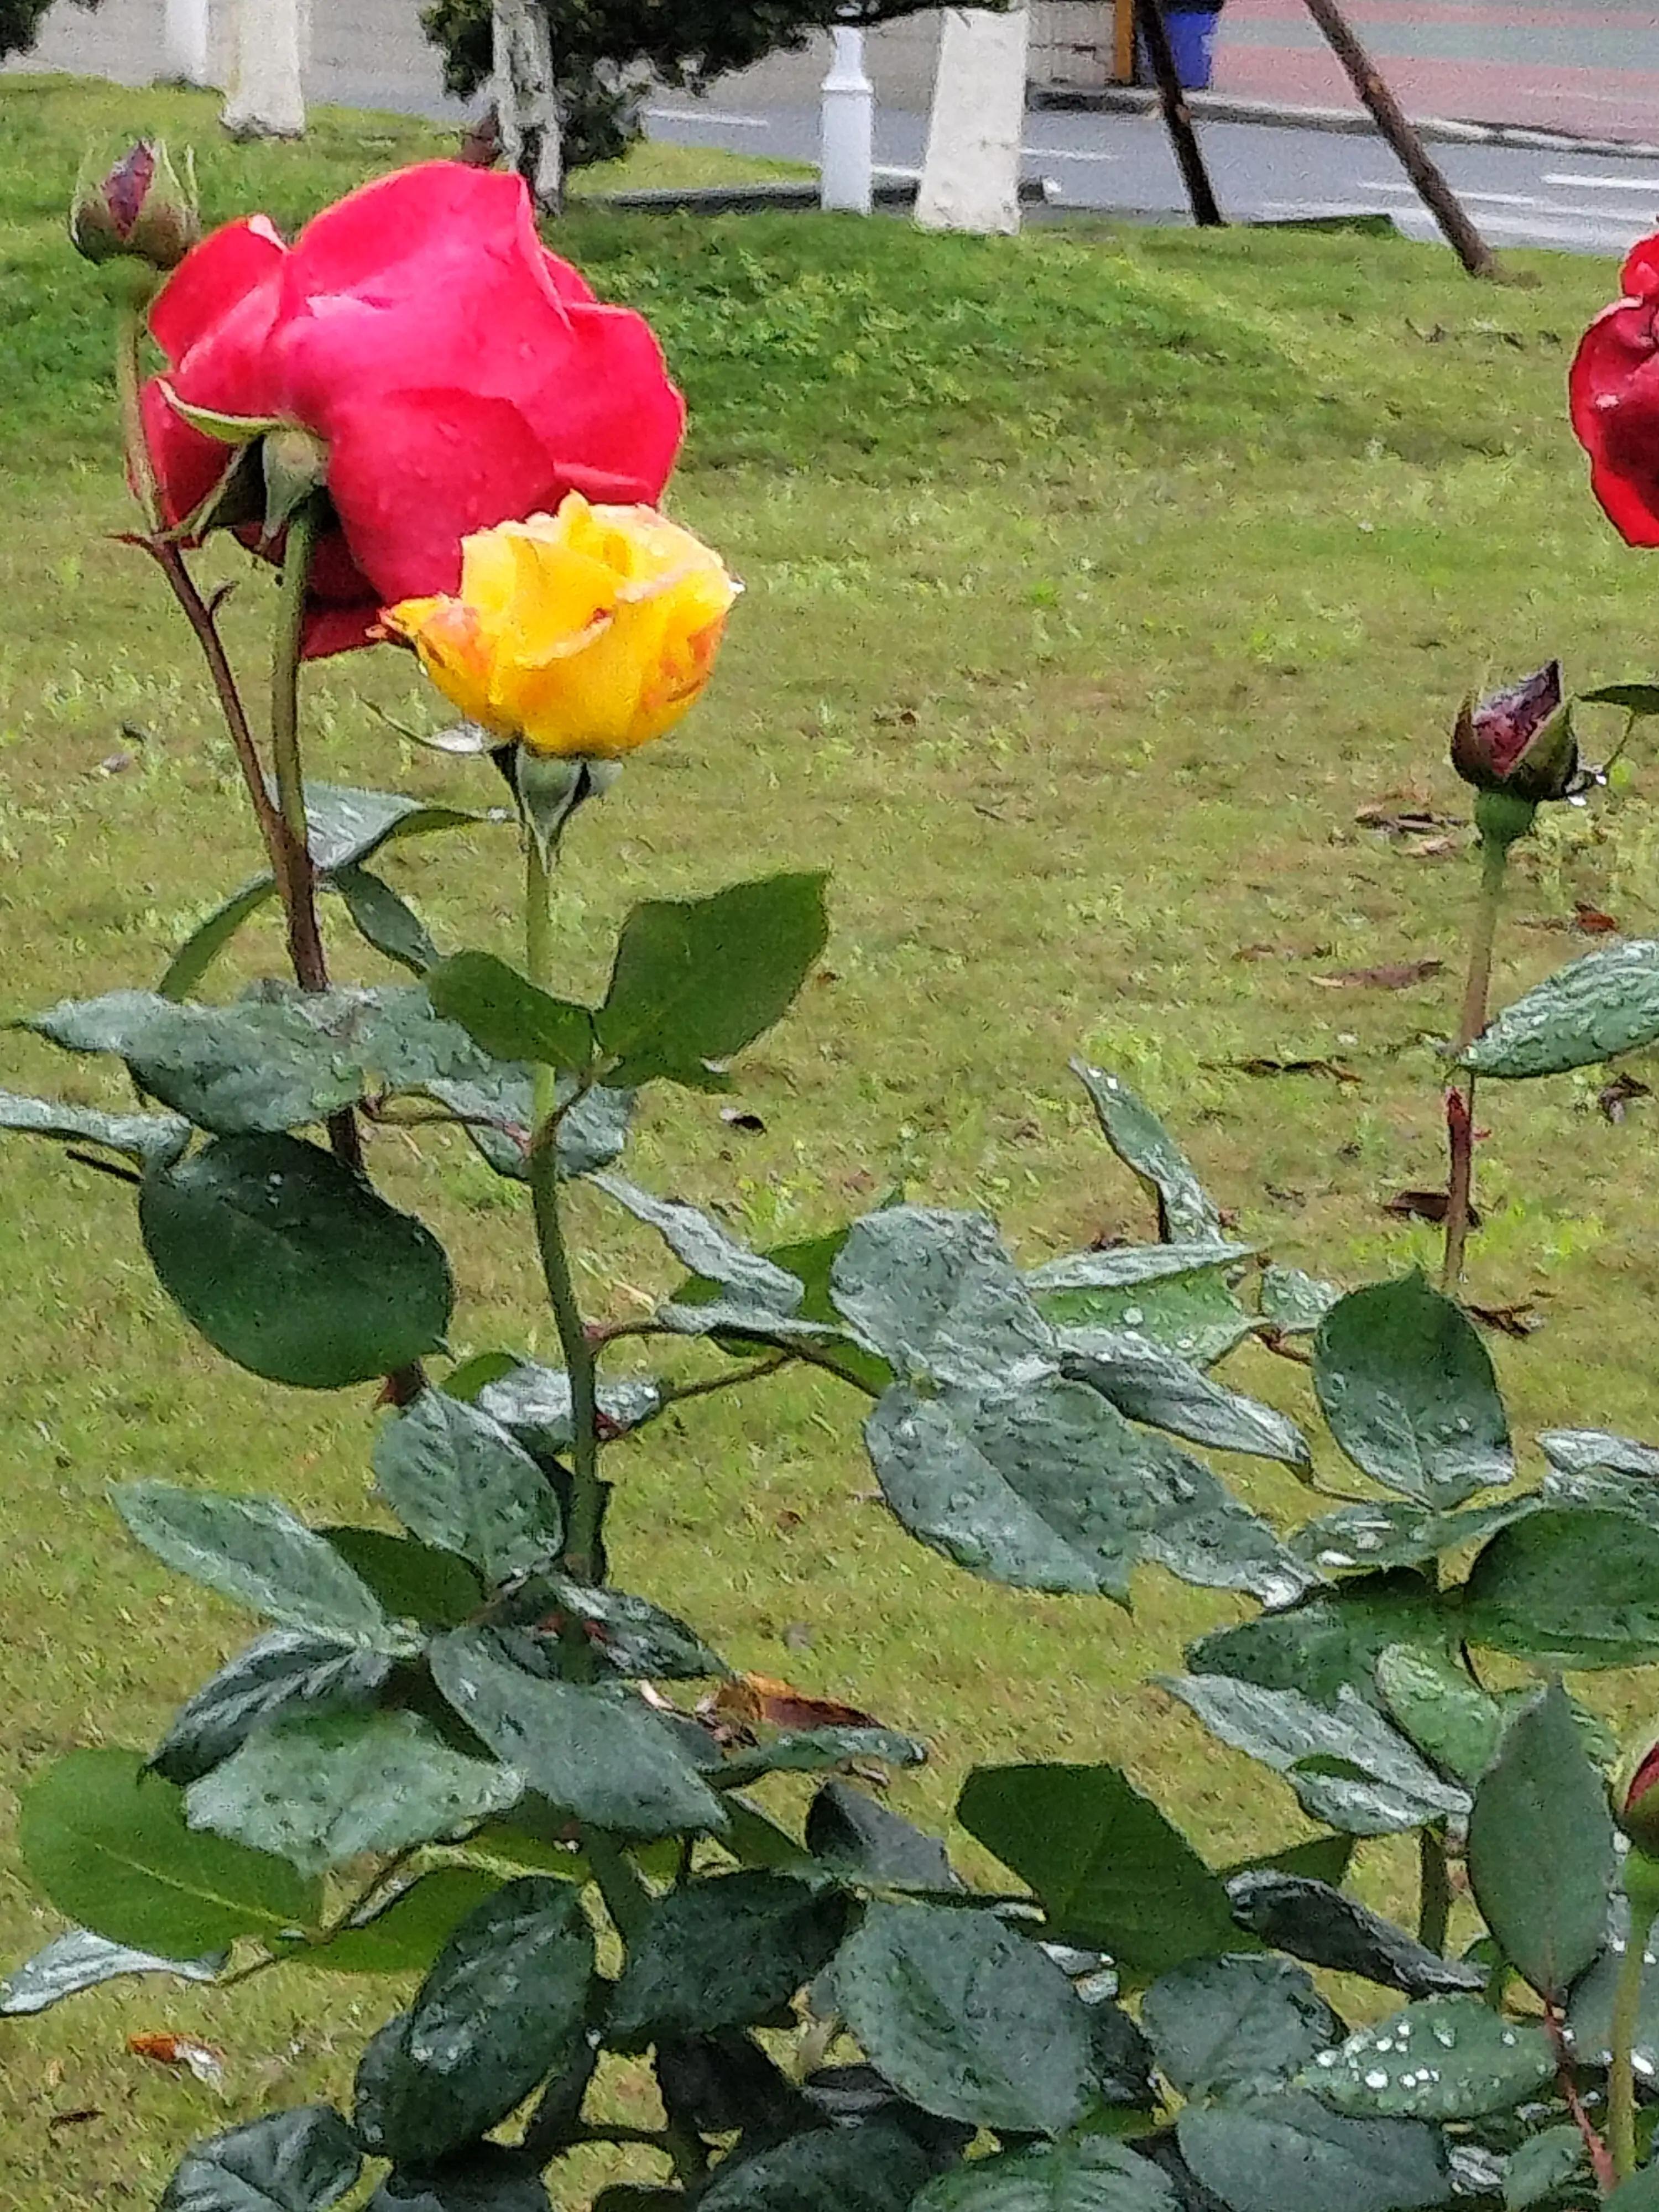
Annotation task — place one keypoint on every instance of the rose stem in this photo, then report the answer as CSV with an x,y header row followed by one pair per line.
x,y
1627,2014
588,1495
1459,1105
197,613
1435,1896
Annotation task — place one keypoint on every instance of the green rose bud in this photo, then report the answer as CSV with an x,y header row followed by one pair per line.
x,y
139,210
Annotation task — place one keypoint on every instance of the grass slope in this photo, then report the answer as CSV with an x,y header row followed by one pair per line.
x,y
1096,581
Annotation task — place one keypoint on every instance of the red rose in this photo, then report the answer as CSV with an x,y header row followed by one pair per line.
x,y
459,374
1614,390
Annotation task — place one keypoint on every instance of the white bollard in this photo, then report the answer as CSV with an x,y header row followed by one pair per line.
x,y
847,150
185,41
970,180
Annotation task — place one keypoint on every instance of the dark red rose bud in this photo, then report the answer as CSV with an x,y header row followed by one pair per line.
x,y
138,210
1519,741
1636,1799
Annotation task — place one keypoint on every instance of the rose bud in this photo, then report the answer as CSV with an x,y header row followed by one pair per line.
x,y
1636,1798
1519,741
580,635
140,209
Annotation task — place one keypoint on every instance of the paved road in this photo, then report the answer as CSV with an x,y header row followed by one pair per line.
x,y
1582,203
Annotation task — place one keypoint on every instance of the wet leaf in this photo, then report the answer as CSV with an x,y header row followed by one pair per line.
x,y
1186,1213
1447,2059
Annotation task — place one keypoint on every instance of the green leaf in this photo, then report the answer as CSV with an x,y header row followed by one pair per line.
x,y
1110,1869
405,1934
1311,1920
965,2018
697,980
486,2178
1049,1488
1540,1851
295,2161
852,1830
505,2001
108,1844
1288,2153
725,1953
1294,1305
705,1247
1089,2174
291,1265
1399,1532
755,1841
1221,2025
458,1479
534,1403
1604,1004
386,921
1589,2020
1131,1267
153,1140
509,1017
1408,1389
496,1110
598,1751
319,1792
627,1635
1324,1858
809,1750
935,1294
1442,1708
1192,1312
876,2168
253,1550
1329,1642
413,1580
1448,2058
1640,699
1382,1785
1185,1211
1568,1587
277,1058
284,1673
1578,1451
80,1960
1541,2164
208,940
345,825
1147,1383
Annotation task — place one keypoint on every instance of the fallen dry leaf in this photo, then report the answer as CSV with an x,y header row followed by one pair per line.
x,y
200,2059
1396,975
74,2119
752,1699
1591,921
1613,1099
1424,1206
1433,848
1259,1066
1513,1321
1402,820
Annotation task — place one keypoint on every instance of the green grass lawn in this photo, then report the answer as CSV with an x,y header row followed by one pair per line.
x,y
1096,582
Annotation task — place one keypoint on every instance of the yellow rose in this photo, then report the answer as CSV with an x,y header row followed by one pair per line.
x,y
587,632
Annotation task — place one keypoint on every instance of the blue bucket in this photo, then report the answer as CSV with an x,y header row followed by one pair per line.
x,y
1192,41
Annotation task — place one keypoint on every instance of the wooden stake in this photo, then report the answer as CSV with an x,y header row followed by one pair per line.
x,y
1177,116
1391,120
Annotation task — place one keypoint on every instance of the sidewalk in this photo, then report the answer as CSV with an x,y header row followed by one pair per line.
x,y
1590,70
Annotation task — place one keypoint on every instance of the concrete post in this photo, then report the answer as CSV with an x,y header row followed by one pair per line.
x,y
267,100
846,156
970,178
185,41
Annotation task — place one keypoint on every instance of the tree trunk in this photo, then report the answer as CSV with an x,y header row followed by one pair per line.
x,y
267,100
970,177
526,105
1390,119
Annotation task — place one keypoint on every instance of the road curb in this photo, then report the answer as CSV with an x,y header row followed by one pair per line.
x,y
1223,107
894,188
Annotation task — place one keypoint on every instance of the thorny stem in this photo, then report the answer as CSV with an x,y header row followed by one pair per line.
x,y
1459,1100
1626,2012
1595,2149
1434,1894
588,1495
